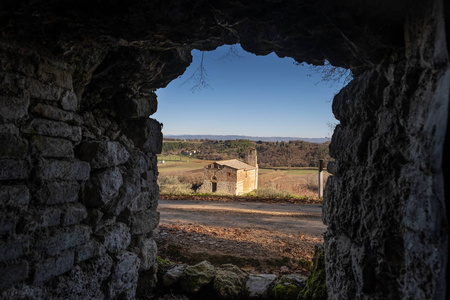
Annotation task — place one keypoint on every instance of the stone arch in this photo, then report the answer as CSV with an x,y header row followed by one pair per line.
x,y
78,167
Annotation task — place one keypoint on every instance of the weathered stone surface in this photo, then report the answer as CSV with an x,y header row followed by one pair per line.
x,y
54,113
55,192
69,101
9,129
8,223
141,202
63,239
173,275
197,276
101,154
147,253
83,281
13,109
141,106
91,249
115,238
257,285
13,146
12,249
124,275
103,187
48,217
63,169
229,282
53,128
55,73
13,169
53,267
142,222
145,134
52,147
14,195
11,274
130,190
73,214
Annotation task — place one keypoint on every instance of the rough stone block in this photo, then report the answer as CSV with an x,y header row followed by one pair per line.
x,y
173,275
102,154
138,107
10,129
39,90
257,285
89,250
147,254
52,147
124,276
53,128
11,274
13,109
13,195
13,169
129,190
73,214
8,223
197,276
64,239
115,238
144,222
53,267
55,75
103,187
13,146
54,113
141,202
12,249
69,101
54,192
49,217
145,134
62,169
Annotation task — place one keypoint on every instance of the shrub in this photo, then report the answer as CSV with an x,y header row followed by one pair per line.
x,y
170,185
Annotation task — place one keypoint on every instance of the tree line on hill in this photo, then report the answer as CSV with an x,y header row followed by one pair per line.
x,y
270,154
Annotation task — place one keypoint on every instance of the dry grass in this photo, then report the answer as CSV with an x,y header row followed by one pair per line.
x,y
305,185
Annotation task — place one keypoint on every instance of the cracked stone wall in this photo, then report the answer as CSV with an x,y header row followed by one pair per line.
x,y
78,191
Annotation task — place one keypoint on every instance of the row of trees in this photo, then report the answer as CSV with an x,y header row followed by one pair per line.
x,y
270,154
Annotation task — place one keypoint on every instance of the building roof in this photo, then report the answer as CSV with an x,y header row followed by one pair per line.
x,y
235,164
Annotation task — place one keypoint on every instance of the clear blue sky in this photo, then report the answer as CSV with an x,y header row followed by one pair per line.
x,y
248,95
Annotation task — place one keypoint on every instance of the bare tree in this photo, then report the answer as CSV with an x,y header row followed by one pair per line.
x,y
200,77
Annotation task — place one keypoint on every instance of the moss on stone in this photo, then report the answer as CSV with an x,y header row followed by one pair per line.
x,y
283,291
315,287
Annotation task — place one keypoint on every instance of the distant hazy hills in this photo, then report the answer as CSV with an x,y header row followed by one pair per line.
x,y
244,137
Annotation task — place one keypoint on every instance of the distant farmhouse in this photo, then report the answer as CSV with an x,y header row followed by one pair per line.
x,y
189,152
231,176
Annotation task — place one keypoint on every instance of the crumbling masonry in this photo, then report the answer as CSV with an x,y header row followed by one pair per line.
x,y
78,191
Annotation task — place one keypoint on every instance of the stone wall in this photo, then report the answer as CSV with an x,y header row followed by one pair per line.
x,y
385,207
78,191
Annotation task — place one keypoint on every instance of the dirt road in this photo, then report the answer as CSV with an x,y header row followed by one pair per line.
x,y
286,217
265,237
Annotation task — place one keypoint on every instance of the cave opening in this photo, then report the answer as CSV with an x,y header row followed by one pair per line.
x,y
78,161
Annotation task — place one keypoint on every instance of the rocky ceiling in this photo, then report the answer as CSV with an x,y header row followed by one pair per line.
x,y
133,37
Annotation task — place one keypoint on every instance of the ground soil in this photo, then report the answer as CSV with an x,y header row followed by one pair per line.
x,y
260,237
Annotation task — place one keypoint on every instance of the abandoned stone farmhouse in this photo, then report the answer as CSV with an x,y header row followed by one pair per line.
x,y
232,176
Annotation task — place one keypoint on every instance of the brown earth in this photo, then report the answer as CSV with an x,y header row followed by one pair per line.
x,y
258,237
